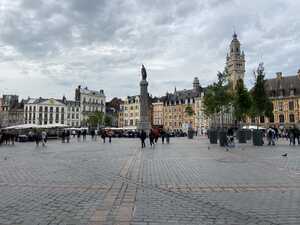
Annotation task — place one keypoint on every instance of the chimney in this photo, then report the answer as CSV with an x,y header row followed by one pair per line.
x,y
279,75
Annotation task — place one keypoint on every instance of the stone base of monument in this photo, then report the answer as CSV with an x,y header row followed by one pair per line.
x,y
145,126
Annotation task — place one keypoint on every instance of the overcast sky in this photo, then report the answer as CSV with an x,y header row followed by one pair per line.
x,y
48,47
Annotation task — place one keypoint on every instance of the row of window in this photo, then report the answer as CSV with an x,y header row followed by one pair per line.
x,y
130,108
281,117
93,101
282,92
92,109
182,101
131,114
292,104
46,109
73,116
131,122
173,124
73,124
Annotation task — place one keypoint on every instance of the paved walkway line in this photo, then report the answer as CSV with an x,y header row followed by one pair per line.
x,y
119,202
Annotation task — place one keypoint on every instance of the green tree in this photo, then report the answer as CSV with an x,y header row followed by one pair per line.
x,y
218,98
95,119
262,105
242,102
108,121
189,110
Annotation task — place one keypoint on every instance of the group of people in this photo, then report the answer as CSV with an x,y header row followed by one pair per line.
x,y
292,134
154,135
40,137
7,137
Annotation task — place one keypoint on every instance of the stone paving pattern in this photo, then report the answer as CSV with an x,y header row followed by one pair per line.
x,y
186,182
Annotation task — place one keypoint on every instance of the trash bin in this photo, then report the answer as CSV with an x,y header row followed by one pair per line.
x,y
257,138
213,136
248,134
242,136
223,138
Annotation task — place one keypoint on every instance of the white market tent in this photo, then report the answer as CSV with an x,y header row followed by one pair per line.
x,y
252,127
31,126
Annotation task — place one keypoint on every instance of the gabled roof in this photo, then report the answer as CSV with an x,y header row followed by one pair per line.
x,y
281,86
181,95
44,101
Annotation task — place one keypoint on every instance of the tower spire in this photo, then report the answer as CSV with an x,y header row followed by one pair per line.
x,y
235,61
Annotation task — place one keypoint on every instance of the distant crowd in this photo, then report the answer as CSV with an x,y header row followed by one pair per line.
x,y
40,137
272,135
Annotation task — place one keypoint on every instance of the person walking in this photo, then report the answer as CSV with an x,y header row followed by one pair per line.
x,y
162,134
37,138
292,136
143,137
44,138
109,134
93,134
167,137
84,132
271,136
63,136
68,134
103,135
78,135
152,138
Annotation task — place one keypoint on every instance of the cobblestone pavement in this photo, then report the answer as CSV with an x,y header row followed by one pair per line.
x,y
186,182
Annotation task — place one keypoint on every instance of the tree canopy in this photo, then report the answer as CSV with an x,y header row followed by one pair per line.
x,y
95,119
262,105
189,110
242,101
217,97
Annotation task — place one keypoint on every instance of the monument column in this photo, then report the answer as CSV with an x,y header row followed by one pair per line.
x,y
144,123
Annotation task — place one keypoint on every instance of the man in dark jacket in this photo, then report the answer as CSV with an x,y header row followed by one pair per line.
x,y
143,137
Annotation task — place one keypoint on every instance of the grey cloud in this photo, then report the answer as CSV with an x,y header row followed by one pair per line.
x,y
100,42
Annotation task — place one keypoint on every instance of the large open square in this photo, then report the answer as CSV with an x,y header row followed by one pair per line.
x,y
185,182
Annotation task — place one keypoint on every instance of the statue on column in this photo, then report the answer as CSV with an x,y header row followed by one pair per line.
x,y
144,123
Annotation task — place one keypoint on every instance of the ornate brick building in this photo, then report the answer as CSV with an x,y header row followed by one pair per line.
x,y
284,91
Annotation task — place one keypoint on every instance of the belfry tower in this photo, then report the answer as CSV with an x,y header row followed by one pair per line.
x,y
235,62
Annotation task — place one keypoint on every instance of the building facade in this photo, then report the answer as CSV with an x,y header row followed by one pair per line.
x,y
73,113
158,113
90,101
1,104
9,101
284,92
175,108
112,111
44,111
129,115
11,111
